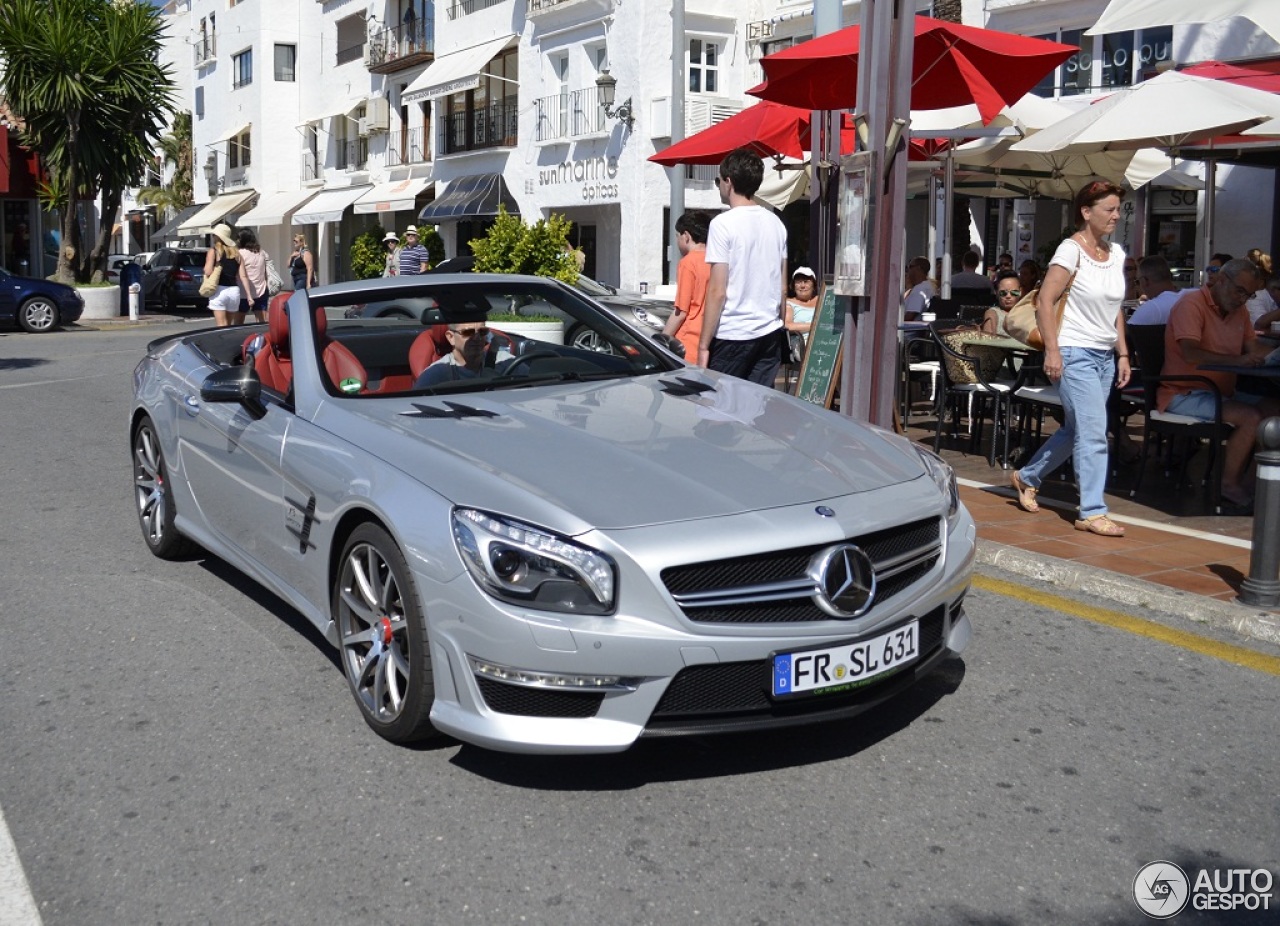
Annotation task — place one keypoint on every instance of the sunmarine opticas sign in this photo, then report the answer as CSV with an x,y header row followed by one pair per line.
x,y
596,179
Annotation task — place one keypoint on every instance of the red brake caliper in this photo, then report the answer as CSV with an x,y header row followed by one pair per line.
x,y
386,631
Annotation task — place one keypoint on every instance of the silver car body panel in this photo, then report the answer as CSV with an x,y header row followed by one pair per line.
x,y
652,479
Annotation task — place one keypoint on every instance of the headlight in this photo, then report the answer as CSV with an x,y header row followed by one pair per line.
x,y
645,318
943,476
527,566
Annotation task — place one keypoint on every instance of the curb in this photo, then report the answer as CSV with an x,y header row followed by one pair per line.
x,y
1263,626
109,324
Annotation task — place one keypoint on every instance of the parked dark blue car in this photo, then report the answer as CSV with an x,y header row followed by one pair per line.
x,y
37,305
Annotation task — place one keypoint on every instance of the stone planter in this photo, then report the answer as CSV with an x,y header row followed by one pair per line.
x,y
100,301
551,332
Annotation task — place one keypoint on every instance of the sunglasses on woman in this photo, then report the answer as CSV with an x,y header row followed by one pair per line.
x,y
1009,292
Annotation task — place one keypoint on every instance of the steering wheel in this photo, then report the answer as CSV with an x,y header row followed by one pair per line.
x,y
524,359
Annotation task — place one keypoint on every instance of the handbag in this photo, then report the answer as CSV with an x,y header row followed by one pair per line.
x,y
209,285
1020,323
274,282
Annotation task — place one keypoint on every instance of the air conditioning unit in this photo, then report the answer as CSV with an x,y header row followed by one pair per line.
x,y
377,115
362,126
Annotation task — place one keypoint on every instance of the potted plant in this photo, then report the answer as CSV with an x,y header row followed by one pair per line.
x,y
546,328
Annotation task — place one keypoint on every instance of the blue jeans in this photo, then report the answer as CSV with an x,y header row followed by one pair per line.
x,y
1087,376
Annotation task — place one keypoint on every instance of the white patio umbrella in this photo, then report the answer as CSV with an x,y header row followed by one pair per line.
x,y
1170,110
1123,15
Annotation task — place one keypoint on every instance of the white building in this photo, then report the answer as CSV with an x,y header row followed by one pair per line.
x,y
324,116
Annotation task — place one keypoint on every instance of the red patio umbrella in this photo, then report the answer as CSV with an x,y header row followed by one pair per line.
x,y
952,65
766,128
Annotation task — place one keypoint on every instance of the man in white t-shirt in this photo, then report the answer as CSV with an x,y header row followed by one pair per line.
x,y
747,253
920,289
1160,294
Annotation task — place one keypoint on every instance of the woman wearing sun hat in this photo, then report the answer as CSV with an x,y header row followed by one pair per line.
x,y
391,260
223,259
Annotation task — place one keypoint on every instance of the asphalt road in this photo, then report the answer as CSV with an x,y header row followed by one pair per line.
x,y
177,746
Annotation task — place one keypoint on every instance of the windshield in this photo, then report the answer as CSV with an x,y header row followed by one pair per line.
x,y
472,333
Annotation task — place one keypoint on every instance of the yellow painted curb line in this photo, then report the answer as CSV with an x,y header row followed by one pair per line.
x,y
1239,655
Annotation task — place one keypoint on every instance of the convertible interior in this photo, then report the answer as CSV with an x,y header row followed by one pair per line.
x,y
385,356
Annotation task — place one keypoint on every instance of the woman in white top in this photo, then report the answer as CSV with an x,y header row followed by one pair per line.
x,y
1084,356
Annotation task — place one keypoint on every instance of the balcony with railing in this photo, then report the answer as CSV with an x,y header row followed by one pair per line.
x,y
351,155
536,8
492,126
409,146
568,115
206,49
460,8
400,48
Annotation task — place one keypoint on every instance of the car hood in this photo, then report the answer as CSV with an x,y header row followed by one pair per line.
x,y
627,453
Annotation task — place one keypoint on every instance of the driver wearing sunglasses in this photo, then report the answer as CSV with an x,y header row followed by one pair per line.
x,y
1008,292
470,343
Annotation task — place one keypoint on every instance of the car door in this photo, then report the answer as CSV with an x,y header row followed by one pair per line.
x,y
8,296
154,275
233,464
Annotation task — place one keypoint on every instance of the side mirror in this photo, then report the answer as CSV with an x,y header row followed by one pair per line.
x,y
673,344
235,384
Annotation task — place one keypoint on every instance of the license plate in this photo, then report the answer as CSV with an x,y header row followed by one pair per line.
x,y
837,668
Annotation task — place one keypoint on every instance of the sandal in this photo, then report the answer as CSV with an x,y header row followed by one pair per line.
x,y
1026,493
1101,525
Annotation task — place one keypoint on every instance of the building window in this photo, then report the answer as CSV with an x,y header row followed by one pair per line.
x,y
487,116
464,7
1107,62
242,68
704,66
238,151
286,59
351,36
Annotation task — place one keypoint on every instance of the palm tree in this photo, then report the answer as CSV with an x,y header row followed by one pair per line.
x,y
85,78
175,149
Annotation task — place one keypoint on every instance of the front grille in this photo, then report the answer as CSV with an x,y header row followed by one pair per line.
x,y
742,689
773,587
537,702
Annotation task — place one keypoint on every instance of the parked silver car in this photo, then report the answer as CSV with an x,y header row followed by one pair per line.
x,y
551,549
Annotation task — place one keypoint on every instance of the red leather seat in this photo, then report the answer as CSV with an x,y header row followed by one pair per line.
x,y
274,362
344,369
427,348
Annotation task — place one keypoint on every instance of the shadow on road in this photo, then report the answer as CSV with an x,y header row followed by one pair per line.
x,y
21,363
694,757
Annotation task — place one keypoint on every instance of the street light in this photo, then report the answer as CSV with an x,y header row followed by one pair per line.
x,y
607,84
211,172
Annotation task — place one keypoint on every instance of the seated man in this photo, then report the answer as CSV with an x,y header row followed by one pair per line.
x,y
1157,289
1211,325
468,358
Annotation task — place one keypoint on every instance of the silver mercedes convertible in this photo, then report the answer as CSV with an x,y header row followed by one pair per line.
x,y
536,547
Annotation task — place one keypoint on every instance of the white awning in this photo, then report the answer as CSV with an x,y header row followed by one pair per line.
x,y
218,209
329,205
275,208
226,137
396,196
455,72
336,109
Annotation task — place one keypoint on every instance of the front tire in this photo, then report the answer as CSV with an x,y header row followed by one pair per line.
x,y
382,637
585,338
38,315
153,495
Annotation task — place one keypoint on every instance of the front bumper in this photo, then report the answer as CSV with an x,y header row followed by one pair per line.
x,y
679,676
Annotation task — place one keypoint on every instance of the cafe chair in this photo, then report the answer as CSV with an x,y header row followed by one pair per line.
x,y
969,378
1031,397
1148,342
920,361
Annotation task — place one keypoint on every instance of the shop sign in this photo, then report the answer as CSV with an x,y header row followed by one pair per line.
x,y
594,179
1173,200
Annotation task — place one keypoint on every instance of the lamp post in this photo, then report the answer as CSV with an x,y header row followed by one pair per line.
x,y
211,172
607,86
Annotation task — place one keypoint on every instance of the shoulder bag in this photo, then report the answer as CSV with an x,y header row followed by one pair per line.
x,y
1020,323
274,282
209,285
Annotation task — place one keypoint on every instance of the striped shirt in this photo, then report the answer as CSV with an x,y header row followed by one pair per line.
x,y
412,259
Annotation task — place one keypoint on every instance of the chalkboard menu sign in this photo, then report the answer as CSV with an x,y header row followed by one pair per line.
x,y
824,354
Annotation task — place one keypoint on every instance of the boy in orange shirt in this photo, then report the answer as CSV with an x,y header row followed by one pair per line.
x,y
692,275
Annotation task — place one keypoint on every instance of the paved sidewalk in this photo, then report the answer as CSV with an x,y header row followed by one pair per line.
x,y
1175,558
